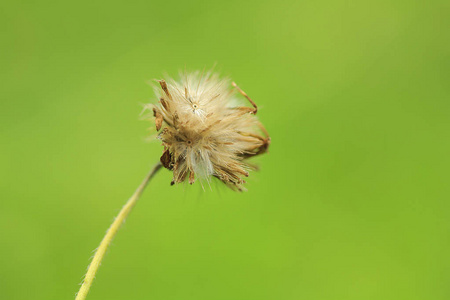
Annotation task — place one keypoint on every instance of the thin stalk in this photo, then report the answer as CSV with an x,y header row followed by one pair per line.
x,y
111,233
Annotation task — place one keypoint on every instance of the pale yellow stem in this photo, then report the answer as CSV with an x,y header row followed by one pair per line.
x,y
100,253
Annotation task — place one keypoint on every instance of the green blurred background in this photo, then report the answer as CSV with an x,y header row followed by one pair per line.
x,y
352,202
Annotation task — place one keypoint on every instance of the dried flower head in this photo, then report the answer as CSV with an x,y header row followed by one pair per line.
x,y
206,132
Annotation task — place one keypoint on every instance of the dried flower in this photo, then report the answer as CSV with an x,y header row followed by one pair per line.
x,y
206,132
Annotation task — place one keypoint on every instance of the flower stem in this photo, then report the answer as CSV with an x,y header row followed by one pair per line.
x,y
111,233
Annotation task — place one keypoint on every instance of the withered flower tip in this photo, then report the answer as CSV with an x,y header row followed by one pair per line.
x,y
204,130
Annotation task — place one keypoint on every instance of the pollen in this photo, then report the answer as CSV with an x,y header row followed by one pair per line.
x,y
207,130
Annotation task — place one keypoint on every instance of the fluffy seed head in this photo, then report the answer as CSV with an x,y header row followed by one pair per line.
x,y
205,131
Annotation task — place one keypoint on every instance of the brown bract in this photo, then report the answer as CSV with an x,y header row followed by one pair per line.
x,y
204,130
